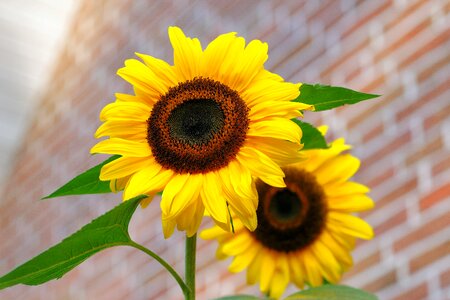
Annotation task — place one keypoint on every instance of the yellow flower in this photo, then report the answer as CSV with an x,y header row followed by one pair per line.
x,y
200,130
305,231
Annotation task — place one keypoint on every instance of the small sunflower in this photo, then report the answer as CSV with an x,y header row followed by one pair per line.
x,y
200,131
306,230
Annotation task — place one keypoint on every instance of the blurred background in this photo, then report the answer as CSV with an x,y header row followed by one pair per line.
x,y
58,63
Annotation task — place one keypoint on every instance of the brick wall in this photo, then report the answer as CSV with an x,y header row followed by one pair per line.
x,y
395,48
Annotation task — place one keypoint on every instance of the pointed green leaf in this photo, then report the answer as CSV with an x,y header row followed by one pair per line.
x,y
325,97
85,183
108,230
311,137
332,292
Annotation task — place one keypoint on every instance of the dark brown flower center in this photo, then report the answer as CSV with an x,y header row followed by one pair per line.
x,y
198,126
291,218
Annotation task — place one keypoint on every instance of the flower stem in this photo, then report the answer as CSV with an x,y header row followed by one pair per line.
x,y
175,275
191,245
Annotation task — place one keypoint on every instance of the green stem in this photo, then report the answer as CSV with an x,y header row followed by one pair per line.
x,y
175,275
191,244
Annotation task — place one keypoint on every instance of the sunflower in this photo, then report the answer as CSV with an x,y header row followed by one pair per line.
x,y
306,230
200,130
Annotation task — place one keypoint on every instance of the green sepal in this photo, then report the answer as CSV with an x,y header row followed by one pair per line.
x,y
325,97
108,230
85,183
312,138
332,292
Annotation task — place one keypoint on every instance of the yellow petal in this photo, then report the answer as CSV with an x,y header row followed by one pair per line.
x,y
330,267
141,76
350,225
278,128
255,267
238,244
187,54
341,253
350,203
168,227
145,100
162,70
146,201
214,200
296,270
213,233
338,169
217,53
268,266
321,157
241,261
312,268
122,147
267,89
281,152
241,180
284,109
190,219
228,70
124,128
147,181
124,166
126,110
261,166
172,188
280,280
346,188
248,66
240,193
180,192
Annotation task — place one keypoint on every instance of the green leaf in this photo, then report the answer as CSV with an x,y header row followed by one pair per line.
x,y
85,183
332,292
312,138
239,297
108,230
325,97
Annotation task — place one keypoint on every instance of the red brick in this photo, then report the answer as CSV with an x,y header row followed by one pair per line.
x,y
394,221
437,118
352,75
423,231
299,47
364,264
427,149
409,110
388,148
366,18
428,47
386,279
341,59
375,132
441,166
380,178
444,278
435,197
430,70
418,292
414,6
405,37
377,105
327,14
432,255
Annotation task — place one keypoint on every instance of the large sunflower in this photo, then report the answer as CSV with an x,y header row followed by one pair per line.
x,y
200,130
306,230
